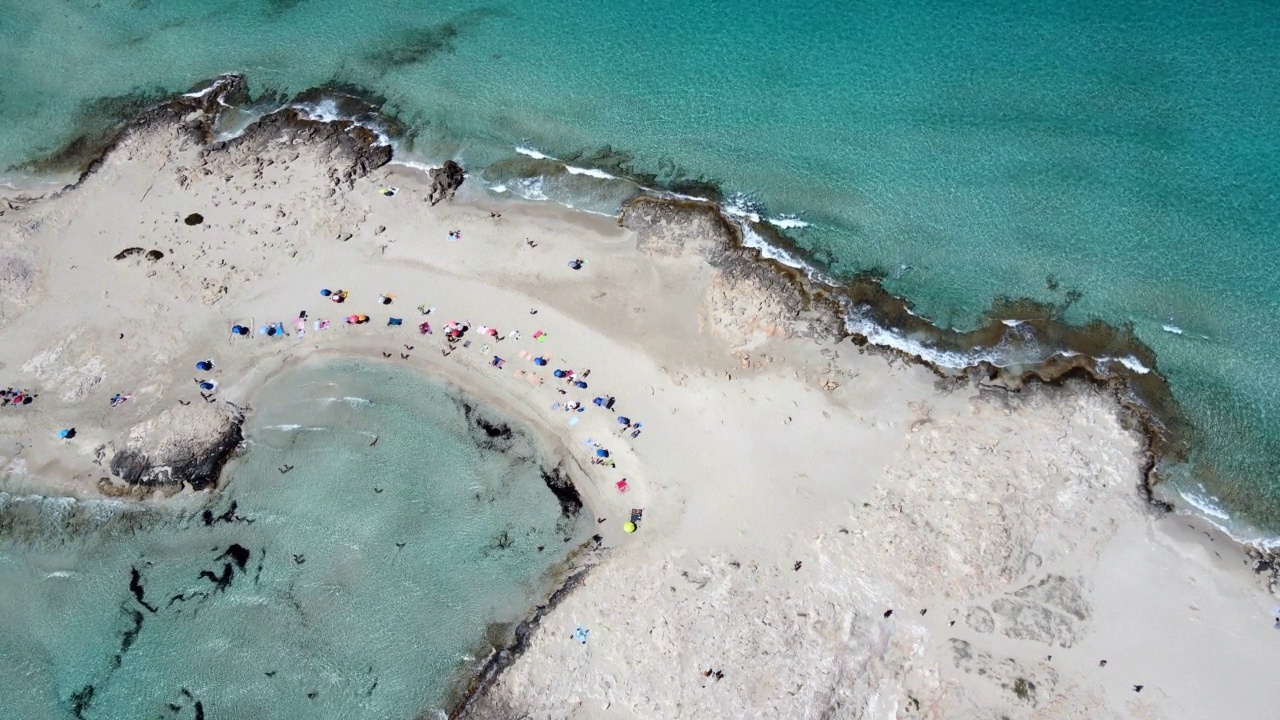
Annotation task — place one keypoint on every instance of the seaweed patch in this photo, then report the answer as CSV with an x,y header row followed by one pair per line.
x,y
420,44
135,587
562,487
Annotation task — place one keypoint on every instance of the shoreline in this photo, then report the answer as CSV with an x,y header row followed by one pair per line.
x,y
861,308
699,331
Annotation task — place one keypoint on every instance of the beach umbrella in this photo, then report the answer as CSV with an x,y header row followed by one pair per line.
x,y
326,292
601,452
67,433
237,329
580,384
628,527
622,420
558,373
539,361
492,331
204,365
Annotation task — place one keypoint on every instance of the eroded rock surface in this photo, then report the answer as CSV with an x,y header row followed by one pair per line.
x,y
445,181
184,444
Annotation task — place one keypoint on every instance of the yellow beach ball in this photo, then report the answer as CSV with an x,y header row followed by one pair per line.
x,y
629,527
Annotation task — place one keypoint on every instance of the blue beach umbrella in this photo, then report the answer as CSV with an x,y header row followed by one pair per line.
x,y
326,292
540,361
602,453
580,384
204,365
622,420
558,373
237,329
206,385
67,433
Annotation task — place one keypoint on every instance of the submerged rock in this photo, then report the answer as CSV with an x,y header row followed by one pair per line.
x,y
445,180
183,444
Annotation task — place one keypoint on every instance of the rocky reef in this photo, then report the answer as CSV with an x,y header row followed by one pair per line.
x,y
187,444
445,181
354,147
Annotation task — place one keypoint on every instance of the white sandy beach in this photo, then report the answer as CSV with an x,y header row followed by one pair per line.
x,y
794,491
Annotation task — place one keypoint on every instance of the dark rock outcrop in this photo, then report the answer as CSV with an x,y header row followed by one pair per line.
x,y
195,112
356,149
445,181
185,444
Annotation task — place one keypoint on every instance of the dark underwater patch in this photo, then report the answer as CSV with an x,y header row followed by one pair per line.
x,y
229,516
80,700
275,8
128,638
238,554
562,487
418,45
96,125
135,587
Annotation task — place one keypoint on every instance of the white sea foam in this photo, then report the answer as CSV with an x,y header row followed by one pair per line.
x,y
857,322
302,428
530,152
201,93
742,205
533,188
753,239
590,172
672,195
1204,503
352,401
327,111
745,211
1207,508
1172,329
421,167
1128,361
788,222
214,85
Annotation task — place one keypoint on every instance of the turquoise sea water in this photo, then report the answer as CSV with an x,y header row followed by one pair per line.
x,y
321,600
967,150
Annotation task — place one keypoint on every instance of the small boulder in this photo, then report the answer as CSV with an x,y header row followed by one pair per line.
x,y
445,180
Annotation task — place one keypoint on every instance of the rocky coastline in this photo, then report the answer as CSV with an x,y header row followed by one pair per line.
x,y
665,225
805,308
184,445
